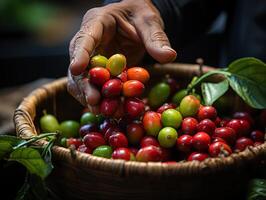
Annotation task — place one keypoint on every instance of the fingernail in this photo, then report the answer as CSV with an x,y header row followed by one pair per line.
x,y
168,48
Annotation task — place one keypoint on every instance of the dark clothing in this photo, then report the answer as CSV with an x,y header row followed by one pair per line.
x,y
245,28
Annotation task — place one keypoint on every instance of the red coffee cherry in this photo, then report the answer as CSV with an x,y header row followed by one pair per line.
x,y
197,156
219,149
184,143
112,88
118,140
242,143
206,126
201,141
93,140
226,133
207,112
99,75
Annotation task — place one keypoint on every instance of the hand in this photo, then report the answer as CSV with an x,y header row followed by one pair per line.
x,y
131,27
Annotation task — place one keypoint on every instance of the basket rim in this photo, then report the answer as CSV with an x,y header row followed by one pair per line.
x,y
25,113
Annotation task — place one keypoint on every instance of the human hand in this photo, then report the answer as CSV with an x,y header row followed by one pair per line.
x,y
131,27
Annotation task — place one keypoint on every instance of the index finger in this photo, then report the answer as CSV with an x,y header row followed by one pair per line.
x,y
83,45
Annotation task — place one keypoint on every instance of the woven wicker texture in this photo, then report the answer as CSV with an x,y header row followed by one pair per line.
x,y
84,176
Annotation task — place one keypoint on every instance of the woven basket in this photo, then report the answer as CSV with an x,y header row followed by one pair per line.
x,y
84,176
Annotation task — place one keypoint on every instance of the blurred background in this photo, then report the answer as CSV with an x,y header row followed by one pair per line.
x,y
34,37
35,34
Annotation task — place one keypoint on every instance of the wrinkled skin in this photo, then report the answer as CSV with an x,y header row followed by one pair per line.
x,y
129,27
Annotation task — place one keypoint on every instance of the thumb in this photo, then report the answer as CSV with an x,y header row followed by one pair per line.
x,y
154,38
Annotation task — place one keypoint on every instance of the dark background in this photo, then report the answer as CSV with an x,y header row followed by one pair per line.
x,y
34,39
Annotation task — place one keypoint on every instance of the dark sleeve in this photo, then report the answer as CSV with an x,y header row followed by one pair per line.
x,y
185,20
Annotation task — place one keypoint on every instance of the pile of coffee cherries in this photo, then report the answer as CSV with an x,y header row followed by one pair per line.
x,y
167,126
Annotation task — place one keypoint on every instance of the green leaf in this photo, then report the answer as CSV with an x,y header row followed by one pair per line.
x,y
248,79
257,189
32,160
213,91
5,148
24,189
12,140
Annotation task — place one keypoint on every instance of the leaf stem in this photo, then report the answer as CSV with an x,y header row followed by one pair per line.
x,y
34,139
204,76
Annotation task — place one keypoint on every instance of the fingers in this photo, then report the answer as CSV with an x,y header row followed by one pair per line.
x,y
83,45
80,88
150,29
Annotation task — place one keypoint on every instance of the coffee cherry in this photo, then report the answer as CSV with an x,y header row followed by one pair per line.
x,y
135,132
118,140
219,149
149,141
171,118
184,143
167,137
207,112
134,150
98,61
120,112
106,124
217,121
206,126
158,94
152,123
189,125
226,133
49,123
87,128
123,153
69,128
241,127
201,141
134,107
109,106
123,76
88,118
93,140
111,131
133,88
112,88
75,142
103,151
189,106
116,64
178,96
217,139
166,154
257,136
99,75
243,115
149,154
242,143
224,122
172,83
257,144
197,156
138,73
165,107
82,148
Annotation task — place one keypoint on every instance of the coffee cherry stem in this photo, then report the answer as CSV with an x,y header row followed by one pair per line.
x,y
34,139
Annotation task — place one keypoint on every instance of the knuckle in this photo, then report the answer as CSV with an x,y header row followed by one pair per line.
x,y
150,18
